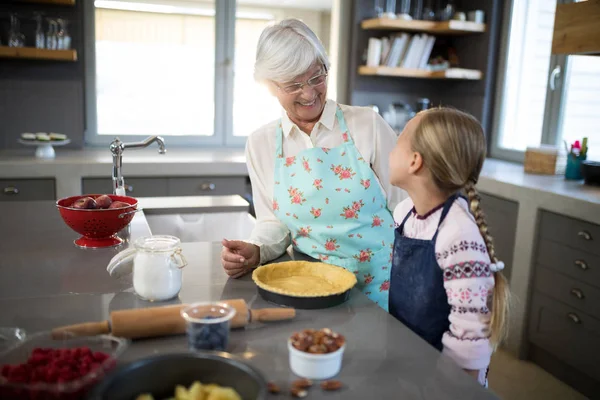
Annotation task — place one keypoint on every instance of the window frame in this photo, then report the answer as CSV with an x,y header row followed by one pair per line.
x,y
554,106
225,12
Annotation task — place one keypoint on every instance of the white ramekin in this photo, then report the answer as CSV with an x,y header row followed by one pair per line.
x,y
315,366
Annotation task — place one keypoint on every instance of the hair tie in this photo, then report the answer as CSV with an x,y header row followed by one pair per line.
x,y
497,266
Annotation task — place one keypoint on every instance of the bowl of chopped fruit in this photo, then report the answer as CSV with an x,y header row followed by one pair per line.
x,y
316,354
183,376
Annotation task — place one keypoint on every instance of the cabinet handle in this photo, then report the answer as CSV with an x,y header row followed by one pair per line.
x,y
582,264
11,190
584,235
207,187
573,317
577,293
128,188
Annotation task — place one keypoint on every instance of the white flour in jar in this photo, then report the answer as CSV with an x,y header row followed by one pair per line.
x,y
155,277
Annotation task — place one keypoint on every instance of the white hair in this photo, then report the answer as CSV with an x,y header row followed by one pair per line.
x,y
287,50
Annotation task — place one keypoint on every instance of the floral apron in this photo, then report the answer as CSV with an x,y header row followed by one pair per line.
x,y
332,204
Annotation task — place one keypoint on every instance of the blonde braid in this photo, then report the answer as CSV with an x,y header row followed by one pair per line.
x,y
501,296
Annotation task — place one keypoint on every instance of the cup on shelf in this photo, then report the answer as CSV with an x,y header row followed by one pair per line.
x,y
477,16
459,16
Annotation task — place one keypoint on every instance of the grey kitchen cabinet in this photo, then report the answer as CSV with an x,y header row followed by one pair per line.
x,y
135,187
564,316
171,186
207,186
501,215
27,189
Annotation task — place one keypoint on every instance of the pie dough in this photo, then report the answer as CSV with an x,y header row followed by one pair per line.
x,y
304,279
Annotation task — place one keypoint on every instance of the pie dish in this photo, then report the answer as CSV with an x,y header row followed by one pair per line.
x,y
304,279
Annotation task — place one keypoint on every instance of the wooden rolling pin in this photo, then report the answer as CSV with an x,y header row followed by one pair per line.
x,y
163,321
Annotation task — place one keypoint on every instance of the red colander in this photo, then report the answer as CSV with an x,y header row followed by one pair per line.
x,y
97,227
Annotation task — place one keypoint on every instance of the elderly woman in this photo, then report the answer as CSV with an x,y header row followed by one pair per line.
x,y
319,174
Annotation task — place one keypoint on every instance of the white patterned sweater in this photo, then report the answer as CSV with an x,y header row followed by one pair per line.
x,y
462,255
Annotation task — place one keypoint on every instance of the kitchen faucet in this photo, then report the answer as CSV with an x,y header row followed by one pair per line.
x,y
117,147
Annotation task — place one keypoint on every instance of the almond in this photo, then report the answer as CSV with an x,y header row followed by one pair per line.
x,y
273,388
331,385
302,383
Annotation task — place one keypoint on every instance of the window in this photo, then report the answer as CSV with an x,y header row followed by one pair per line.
x,y
164,67
542,98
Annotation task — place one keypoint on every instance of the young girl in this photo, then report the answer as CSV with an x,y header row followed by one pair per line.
x,y
446,283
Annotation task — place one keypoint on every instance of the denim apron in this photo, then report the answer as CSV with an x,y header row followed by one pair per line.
x,y
417,295
333,205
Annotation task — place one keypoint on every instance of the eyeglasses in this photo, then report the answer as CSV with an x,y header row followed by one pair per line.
x,y
313,82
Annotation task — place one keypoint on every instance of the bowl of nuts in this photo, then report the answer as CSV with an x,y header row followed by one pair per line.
x,y
316,354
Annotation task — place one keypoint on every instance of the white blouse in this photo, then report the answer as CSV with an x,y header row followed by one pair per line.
x,y
372,136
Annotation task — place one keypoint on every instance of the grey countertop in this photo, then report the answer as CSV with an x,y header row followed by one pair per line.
x,y
45,281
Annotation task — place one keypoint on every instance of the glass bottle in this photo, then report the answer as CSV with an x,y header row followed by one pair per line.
x,y
40,38
64,39
15,37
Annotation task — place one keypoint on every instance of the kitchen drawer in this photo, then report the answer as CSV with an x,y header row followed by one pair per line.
x,y
572,232
135,187
577,294
582,266
207,186
501,216
27,189
569,335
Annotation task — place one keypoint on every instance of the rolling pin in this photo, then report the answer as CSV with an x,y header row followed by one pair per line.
x,y
163,321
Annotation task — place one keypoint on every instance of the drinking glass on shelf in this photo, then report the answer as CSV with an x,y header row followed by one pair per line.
x,y
417,10
429,10
378,8
404,12
15,37
64,39
40,38
446,11
51,39
390,8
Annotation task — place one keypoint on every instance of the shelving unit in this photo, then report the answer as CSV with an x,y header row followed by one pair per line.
x,y
434,27
32,53
56,2
451,73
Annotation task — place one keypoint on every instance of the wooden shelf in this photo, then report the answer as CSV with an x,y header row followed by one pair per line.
x,y
56,2
452,73
32,53
444,27
577,28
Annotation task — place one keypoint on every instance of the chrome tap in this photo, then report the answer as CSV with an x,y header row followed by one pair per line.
x,y
117,147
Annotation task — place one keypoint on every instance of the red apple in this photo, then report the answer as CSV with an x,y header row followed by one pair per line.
x,y
119,204
103,201
86,203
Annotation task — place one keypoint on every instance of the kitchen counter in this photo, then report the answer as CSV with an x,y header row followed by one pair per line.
x,y
45,281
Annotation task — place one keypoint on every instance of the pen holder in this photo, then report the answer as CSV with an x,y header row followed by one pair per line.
x,y
573,170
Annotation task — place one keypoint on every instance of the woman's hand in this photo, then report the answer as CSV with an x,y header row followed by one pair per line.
x,y
238,258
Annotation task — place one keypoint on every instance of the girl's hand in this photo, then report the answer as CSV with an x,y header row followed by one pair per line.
x,y
238,258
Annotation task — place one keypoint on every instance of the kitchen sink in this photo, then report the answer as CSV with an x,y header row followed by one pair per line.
x,y
204,227
199,218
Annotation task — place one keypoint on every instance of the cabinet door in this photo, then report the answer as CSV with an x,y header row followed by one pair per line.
x,y
135,187
502,216
207,186
27,189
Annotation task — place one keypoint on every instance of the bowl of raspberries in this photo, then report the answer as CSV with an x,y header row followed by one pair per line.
x,y
46,367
